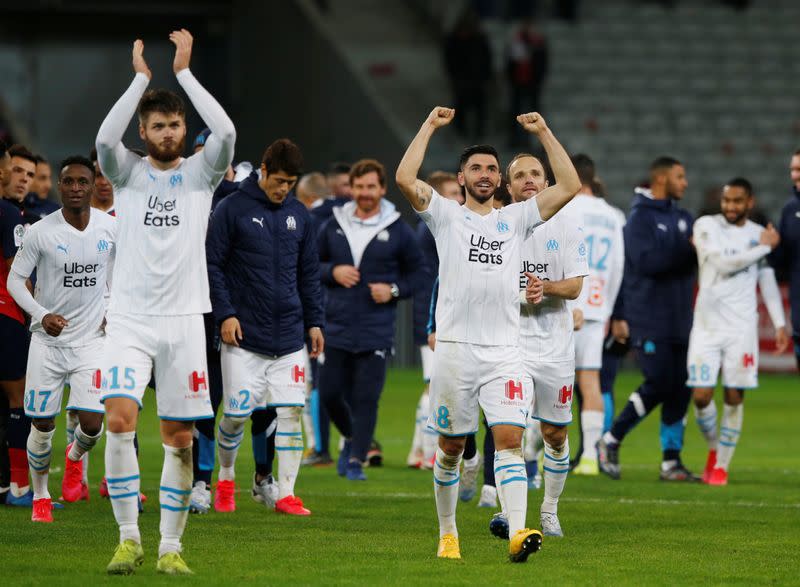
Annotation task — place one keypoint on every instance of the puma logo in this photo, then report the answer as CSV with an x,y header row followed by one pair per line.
x,y
62,248
259,221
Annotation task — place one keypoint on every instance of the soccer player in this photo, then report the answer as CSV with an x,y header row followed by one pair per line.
x,y
602,234
103,195
659,286
14,337
477,361
155,317
70,251
786,257
731,251
36,203
265,288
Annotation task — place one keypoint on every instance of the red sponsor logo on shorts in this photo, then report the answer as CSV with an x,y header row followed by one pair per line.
x,y
97,379
748,360
565,394
197,381
298,374
513,389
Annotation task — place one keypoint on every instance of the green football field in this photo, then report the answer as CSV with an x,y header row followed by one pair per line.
x,y
634,531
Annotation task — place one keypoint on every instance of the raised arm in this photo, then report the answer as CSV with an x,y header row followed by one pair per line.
x,y
218,150
417,192
567,183
114,159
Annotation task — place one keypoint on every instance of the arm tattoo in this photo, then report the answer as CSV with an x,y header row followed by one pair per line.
x,y
422,198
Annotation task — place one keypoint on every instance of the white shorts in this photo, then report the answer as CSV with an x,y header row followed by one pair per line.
x,y
51,367
426,354
173,347
251,381
589,346
552,390
736,351
467,378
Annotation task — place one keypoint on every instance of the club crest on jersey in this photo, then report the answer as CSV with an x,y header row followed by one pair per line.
x,y
63,248
582,250
19,235
175,180
682,226
502,227
552,245
103,246
383,236
753,243
291,223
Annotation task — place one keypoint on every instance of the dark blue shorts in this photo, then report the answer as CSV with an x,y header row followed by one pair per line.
x,y
14,340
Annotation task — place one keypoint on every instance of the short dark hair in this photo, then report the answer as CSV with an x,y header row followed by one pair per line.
x,y
93,154
437,179
365,166
162,101
40,159
23,152
663,163
77,160
477,150
283,155
338,168
740,182
585,167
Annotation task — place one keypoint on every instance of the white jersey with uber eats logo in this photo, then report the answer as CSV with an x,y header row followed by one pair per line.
x,y
70,269
555,252
479,261
163,217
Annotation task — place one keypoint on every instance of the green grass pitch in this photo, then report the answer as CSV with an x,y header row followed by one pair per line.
x,y
635,531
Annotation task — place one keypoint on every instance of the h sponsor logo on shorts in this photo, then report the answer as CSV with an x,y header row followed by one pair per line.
x,y
197,381
514,390
748,360
298,374
565,394
97,379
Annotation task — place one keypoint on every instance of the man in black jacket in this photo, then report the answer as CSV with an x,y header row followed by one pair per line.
x,y
368,261
264,275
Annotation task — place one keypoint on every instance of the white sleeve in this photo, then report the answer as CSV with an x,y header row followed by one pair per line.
x,y
575,261
218,150
709,251
21,269
772,296
114,159
434,214
617,268
531,218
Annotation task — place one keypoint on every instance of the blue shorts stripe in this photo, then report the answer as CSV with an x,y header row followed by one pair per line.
x,y
513,479
517,424
286,405
188,419
173,490
125,395
76,409
288,433
567,423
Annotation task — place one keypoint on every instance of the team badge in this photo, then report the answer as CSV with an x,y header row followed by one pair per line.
x,y
383,236
175,180
291,223
552,245
502,227
682,226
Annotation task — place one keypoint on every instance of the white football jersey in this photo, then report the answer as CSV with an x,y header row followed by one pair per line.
x,y
729,258
160,267
605,252
479,261
70,273
554,252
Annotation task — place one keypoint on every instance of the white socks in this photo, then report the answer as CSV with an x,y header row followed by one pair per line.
x,y
82,444
707,422
445,489
72,425
176,487
231,432
289,448
729,434
592,428
122,476
512,485
556,467
40,447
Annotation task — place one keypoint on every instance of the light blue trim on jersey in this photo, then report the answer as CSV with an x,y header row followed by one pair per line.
x,y
513,479
553,423
447,483
549,470
517,424
121,479
239,415
35,416
134,398
172,508
74,409
286,405
288,448
123,495
192,419
564,460
449,434
176,491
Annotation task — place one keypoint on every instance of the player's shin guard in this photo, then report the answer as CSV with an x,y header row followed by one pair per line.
x,y
122,475
512,484
729,434
289,447
707,422
83,443
592,425
556,467
40,447
175,491
231,431
19,426
445,489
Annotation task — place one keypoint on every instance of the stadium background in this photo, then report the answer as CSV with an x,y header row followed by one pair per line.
x,y
628,80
